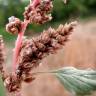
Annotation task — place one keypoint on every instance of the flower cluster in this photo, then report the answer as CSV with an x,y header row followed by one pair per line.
x,y
14,25
12,83
35,49
40,13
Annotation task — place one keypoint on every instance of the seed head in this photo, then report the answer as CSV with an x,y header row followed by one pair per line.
x,y
35,49
39,14
14,26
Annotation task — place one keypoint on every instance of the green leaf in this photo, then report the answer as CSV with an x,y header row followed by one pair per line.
x,y
78,82
2,88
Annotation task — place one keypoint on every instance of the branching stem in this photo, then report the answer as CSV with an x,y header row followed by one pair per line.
x,y
19,39
18,44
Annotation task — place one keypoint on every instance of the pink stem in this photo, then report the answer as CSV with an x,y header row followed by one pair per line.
x,y
20,37
18,44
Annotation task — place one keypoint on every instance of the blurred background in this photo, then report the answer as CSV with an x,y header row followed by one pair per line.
x,y
79,52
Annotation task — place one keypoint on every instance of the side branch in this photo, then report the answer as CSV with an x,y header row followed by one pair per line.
x,y
35,49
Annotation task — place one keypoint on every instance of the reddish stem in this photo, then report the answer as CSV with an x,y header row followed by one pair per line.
x,y
18,44
20,37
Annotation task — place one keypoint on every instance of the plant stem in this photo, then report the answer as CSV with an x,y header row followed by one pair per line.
x,y
45,72
18,44
20,37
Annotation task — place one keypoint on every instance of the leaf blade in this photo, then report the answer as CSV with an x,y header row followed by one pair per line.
x,y
79,82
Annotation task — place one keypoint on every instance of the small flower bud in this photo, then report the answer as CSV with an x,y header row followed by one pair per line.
x,y
14,25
